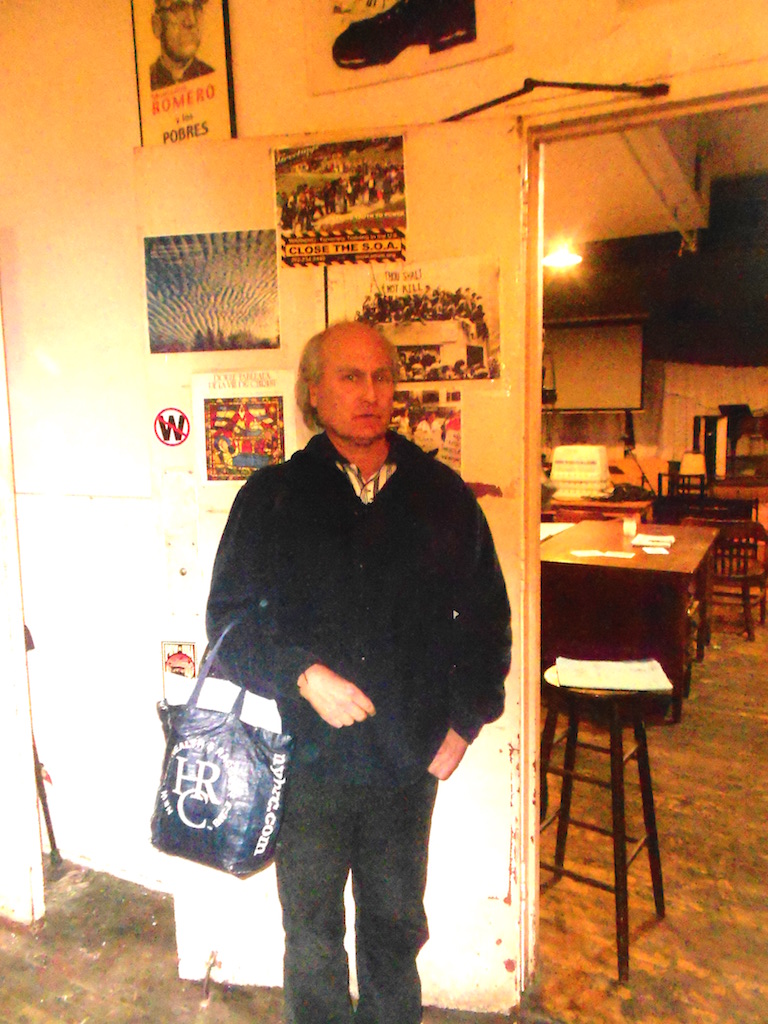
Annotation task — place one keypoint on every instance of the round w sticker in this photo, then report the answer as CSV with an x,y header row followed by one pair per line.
x,y
171,426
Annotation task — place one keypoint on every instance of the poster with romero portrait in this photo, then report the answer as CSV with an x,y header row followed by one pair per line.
x,y
442,316
183,71
355,43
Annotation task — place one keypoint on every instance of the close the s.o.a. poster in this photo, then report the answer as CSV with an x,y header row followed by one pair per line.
x,y
341,202
183,70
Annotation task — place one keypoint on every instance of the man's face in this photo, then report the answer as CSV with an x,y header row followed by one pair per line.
x,y
353,397
177,24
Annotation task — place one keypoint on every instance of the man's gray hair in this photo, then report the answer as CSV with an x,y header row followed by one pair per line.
x,y
311,365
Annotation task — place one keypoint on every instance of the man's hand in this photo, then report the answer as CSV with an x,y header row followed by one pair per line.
x,y
338,701
448,758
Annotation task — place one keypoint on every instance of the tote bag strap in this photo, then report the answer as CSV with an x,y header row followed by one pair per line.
x,y
205,668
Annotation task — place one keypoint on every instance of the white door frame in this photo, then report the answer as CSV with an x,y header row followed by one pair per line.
x,y
21,860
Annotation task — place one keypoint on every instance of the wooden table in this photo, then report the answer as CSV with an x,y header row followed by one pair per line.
x,y
600,607
601,508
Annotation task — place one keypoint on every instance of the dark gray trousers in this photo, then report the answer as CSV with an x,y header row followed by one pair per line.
x,y
382,836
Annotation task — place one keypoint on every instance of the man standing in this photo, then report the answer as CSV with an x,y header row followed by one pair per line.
x,y
369,601
177,24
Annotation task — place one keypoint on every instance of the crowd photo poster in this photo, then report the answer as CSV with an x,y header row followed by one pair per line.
x,y
431,418
341,202
183,70
441,316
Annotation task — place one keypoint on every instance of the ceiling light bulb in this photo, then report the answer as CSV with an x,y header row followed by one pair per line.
x,y
561,258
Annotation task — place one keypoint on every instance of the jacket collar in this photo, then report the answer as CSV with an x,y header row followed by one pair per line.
x,y
401,450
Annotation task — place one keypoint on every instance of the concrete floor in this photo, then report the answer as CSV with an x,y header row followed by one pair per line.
x,y
105,953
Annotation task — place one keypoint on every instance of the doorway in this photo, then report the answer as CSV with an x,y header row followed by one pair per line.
x,y
574,192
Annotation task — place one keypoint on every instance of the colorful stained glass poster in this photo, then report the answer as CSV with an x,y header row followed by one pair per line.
x,y
212,292
243,434
244,422
442,317
341,202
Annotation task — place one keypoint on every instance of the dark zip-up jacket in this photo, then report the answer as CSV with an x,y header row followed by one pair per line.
x,y
404,596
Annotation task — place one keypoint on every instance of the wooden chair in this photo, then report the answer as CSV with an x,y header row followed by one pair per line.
x,y
740,565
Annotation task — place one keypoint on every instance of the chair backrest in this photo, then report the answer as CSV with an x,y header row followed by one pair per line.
x,y
687,485
741,548
745,544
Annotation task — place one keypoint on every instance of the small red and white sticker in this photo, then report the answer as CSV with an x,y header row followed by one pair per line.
x,y
171,426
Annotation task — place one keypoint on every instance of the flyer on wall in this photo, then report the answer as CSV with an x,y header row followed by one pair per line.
x,y
356,43
210,292
183,70
247,422
442,317
341,202
431,418
179,658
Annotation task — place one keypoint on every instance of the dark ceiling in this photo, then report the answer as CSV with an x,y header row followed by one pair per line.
x,y
705,301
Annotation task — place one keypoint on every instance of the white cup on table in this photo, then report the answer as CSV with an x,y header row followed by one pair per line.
x,y
629,527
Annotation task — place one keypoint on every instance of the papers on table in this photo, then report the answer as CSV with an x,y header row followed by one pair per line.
x,y
653,540
611,675
547,530
654,543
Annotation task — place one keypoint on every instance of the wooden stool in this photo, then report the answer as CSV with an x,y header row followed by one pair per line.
x,y
610,709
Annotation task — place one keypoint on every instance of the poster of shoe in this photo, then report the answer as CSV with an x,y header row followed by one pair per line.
x,y
353,43
442,317
341,202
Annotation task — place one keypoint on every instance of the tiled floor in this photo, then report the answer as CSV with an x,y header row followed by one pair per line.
x,y
106,952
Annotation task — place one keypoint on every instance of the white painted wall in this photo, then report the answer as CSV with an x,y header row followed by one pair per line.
x,y
474,908
84,389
